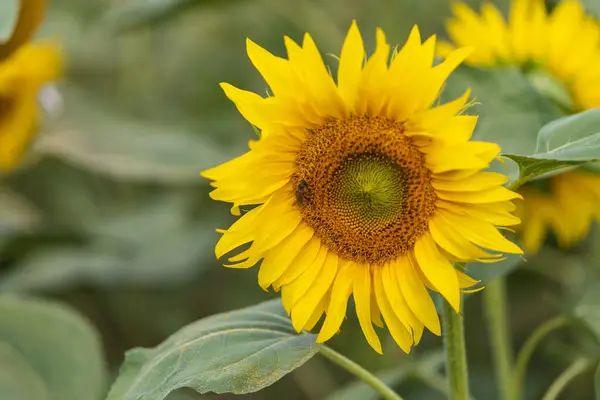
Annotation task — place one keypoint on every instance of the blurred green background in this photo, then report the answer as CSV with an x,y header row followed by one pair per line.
x,y
110,215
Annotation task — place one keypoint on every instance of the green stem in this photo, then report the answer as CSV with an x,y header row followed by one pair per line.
x,y
456,355
355,369
578,367
529,347
495,304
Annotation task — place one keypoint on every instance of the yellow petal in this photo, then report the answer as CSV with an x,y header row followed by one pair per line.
x,y
278,259
479,232
401,336
416,295
336,311
351,62
362,298
305,307
438,270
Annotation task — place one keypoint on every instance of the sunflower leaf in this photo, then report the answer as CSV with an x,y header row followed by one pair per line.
x,y
18,379
566,142
597,382
134,14
593,6
8,18
47,351
237,352
588,309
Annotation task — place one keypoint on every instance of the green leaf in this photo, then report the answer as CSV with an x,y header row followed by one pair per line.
x,y
16,213
125,148
237,352
566,142
593,6
511,111
122,249
132,14
8,18
597,382
588,309
409,367
53,350
18,381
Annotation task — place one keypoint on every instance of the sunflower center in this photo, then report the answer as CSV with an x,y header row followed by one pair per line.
x,y
369,187
364,188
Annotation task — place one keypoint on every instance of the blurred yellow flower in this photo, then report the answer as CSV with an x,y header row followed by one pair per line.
x,y
21,76
565,45
566,204
362,187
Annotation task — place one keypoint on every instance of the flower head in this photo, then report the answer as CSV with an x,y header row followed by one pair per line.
x,y
362,187
564,43
565,46
565,204
21,77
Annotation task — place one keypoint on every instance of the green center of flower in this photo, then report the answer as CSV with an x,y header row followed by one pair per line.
x,y
369,187
364,188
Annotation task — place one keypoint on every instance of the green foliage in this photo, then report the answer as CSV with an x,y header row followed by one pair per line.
x,y
133,14
587,309
238,352
8,18
597,382
566,142
47,351
592,6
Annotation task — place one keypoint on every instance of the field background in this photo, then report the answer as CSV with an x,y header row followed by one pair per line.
x,y
110,216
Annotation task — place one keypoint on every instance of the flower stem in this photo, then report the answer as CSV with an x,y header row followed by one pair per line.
x,y
578,367
495,304
355,369
456,356
529,347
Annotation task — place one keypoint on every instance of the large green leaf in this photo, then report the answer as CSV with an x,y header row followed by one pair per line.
x,y
8,18
588,308
597,382
593,6
49,349
152,245
511,111
18,381
407,368
238,352
125,148
16,213
132,14
566,142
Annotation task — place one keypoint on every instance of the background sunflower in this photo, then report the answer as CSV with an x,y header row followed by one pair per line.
x,y
110,216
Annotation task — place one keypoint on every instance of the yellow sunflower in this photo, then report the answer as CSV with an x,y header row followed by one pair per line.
x,y
361,187
21,77
565,204
563,44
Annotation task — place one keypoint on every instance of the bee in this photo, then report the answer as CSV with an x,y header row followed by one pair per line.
x,y
300,190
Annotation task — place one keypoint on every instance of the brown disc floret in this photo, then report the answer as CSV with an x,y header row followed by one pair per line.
x,y
364,188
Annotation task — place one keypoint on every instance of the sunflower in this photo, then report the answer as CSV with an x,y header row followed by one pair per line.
x,y
564,47
361,187
563,43
21,77
565,204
